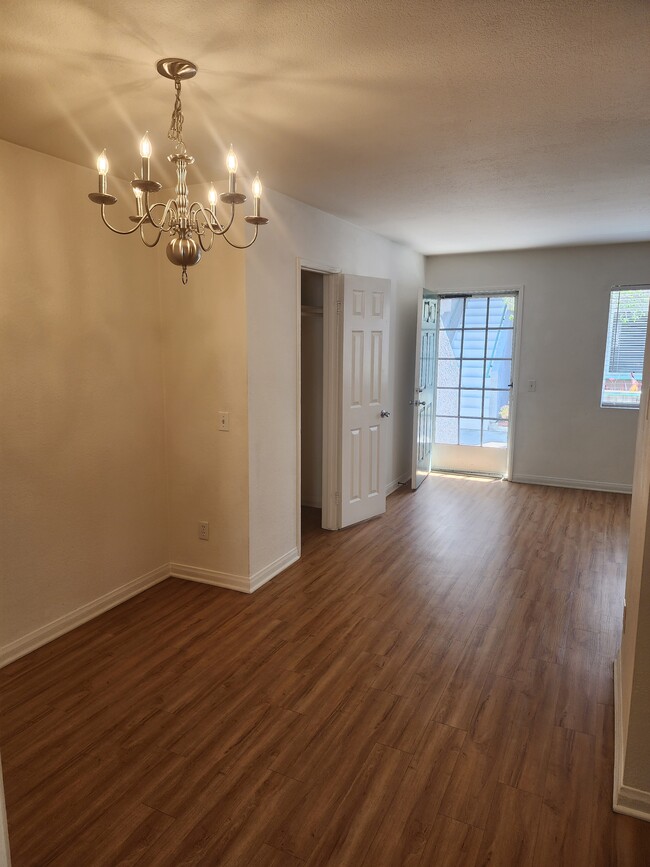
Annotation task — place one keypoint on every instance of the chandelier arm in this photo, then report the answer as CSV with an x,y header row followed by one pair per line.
x,y
197,208
120,231
212,219
243,246
224,229
205,247
148,243
148,209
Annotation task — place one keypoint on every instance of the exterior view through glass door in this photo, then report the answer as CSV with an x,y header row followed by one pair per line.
x,y
474,353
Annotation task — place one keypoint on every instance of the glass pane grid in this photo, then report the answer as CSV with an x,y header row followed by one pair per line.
x,y
475,357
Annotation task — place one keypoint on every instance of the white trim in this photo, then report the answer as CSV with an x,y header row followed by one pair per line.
x,y
619,744
58,627
44,634
5,855
298,445
264,575
228,581
514,378
332,342
319,267
626,800
210,576
394,485
582,484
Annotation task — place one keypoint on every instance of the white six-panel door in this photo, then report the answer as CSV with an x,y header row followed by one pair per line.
x,y
366,302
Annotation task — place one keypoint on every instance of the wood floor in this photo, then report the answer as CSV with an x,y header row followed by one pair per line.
x,y
431,688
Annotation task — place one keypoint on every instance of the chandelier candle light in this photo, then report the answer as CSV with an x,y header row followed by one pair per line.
x,y
192,228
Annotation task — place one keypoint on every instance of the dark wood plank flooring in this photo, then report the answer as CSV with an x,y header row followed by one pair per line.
x,y
430,688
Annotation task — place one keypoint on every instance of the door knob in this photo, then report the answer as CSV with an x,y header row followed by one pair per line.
x,y
384,413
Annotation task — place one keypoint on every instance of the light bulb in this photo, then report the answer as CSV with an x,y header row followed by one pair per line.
x,y
212,196
137,192
257,187
145,146
231,161
102,163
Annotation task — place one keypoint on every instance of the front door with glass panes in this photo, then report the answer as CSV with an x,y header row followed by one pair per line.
x,y
474,353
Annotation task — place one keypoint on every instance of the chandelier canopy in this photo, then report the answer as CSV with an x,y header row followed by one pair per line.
x,y
193,227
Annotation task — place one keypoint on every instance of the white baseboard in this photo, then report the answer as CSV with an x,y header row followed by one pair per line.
x,y
394,485
61,625
44,634
626,800
210,576
582,484
234,582
264,575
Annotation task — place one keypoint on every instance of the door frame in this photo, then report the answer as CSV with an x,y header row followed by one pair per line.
x,y
423,294
332,296
496,290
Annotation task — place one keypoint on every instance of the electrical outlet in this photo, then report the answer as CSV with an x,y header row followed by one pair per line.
x,y
204,530
223,420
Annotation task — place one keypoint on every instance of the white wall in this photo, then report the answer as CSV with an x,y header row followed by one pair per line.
x,y
562,433
633,674
82,466
297,230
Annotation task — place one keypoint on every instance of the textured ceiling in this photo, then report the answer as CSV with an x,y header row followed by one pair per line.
x,y
450,125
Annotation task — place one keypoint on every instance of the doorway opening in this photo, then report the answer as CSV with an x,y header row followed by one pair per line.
x,y
311,398
474,382
342,384
467,352
318,397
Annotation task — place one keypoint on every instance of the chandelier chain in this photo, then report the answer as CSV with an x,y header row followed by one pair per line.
x,y
176,127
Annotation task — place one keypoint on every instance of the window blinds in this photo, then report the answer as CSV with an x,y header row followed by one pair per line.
x,y
626,336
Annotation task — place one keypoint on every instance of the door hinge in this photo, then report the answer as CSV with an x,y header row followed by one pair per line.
x,y
337,498
339,307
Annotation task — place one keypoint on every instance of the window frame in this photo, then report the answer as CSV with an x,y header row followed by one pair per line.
x,y
611,339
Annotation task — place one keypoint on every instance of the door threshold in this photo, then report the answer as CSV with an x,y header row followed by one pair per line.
x,y
494,477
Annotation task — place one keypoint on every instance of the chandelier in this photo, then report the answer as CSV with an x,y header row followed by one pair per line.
x,y
193,227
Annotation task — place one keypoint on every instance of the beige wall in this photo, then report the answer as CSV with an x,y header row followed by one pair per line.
x,y
82,473
113,374
205,349
562,434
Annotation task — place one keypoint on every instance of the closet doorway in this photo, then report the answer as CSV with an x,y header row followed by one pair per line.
x,y
311,395
318,397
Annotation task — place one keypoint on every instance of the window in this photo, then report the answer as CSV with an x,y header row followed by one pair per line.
x,y
626,332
